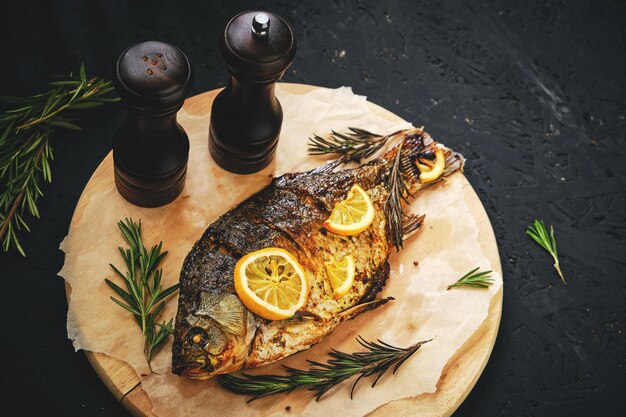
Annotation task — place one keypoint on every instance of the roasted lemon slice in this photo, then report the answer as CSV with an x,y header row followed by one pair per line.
x,y
430,171
352,215
271,283
341,275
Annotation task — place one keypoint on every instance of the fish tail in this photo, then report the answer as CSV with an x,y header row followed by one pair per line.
x,y
417,143
417,147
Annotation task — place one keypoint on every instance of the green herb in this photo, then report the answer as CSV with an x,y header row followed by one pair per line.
x,y
25,150
320,377
400,223
144,296
474,279
355,145
539,234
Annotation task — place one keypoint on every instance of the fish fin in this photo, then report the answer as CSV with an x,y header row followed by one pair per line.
x,y
251,328
352,312
227,310
411,224
328,167
307,315
194,321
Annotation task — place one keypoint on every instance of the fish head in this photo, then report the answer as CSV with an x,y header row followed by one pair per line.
x,y
214,338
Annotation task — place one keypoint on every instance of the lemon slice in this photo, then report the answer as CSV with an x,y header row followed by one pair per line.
x,y
430,171
341,275
271,283
352,215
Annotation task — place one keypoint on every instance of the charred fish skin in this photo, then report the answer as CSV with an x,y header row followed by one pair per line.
x,y
287,214
214,332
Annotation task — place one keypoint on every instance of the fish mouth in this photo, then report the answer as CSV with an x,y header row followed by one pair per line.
x,y
194,370
197,367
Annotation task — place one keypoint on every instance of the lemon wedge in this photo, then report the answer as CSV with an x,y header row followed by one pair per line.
x,y
352,215
430,171
341,275
271,283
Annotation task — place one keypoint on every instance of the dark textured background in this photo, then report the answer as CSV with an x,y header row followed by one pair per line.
x,y
532,92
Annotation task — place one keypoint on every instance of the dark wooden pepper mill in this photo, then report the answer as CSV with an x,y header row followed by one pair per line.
x,y
151,149
246,116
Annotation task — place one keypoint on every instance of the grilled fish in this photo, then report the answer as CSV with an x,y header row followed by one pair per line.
x,y
216,334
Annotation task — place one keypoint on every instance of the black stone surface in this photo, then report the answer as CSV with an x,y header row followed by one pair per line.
x,y
532,92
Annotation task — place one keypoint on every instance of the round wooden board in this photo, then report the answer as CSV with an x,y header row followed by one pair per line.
x,y
458,376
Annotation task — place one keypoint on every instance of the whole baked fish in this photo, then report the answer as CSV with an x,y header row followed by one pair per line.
x,y
216,334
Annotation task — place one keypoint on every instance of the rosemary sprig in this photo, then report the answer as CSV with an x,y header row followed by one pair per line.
x,y
355,145
25,150
320,377
144,296
398,192
474,279
539,234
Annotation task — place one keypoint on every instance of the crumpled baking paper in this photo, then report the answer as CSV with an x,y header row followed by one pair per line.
x,y
445,249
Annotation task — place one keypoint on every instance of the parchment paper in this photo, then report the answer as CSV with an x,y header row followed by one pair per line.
x,y
446,248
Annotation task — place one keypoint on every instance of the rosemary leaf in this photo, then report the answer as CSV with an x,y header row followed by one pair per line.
x,y
398,192
355,145
320,377
144,296
25,150
474,279
539,234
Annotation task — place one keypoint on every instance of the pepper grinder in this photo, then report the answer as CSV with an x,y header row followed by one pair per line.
x,y
246,116
150,150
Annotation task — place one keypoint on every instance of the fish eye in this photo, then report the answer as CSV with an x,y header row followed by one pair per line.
x,y
198,336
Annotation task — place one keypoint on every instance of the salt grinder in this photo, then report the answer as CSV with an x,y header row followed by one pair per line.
x,y
246,116
151,149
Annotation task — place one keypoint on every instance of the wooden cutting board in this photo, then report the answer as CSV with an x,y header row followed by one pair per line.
x,y
459,375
